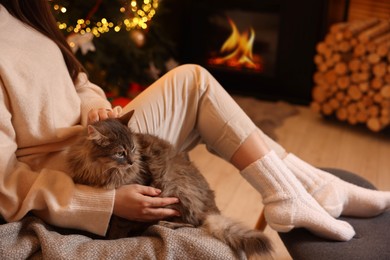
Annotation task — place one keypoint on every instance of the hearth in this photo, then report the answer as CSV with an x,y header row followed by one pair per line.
x,y
260,48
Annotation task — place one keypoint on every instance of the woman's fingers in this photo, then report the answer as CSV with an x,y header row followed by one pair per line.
x,y
156,202
151,200
138,202
99,114
147,190
151,214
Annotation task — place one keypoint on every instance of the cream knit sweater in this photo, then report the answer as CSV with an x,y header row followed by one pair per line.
x,y
41,111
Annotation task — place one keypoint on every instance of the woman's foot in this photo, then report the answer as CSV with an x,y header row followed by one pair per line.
x,y
336,196
287,204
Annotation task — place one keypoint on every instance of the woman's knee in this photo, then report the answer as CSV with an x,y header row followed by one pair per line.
x,y
192,76
190,68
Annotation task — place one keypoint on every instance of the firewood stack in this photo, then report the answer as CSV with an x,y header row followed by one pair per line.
x,y
352,80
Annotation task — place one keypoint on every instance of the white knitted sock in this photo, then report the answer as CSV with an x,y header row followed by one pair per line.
x,y
287,204
336,196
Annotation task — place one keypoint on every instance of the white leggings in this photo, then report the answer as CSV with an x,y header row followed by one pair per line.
x,y
188,106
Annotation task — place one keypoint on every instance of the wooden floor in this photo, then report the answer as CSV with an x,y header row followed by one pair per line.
x,y
323,143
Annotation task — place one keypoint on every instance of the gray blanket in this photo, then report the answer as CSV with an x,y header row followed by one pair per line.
x,y
31,238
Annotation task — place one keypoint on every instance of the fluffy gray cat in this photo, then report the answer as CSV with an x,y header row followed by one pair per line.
x,y
110,155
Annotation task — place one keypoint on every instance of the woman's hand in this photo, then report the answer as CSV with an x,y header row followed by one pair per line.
x,y
95,115
137,202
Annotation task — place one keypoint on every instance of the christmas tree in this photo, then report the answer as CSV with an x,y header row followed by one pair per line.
x,y
123,44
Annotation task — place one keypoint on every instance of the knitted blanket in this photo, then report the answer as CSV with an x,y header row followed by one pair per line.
x,y
31,238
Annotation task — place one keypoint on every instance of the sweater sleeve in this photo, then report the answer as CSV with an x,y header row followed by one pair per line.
x,y
91,96
50,194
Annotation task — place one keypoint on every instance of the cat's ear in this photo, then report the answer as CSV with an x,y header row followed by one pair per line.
x,y
95,135
124,119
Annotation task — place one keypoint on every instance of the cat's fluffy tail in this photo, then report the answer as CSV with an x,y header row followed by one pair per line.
x,y
237,236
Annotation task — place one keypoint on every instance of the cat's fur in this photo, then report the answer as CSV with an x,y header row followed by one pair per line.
x,y
110,155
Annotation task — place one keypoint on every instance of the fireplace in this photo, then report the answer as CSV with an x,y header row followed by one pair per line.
x,y
259,48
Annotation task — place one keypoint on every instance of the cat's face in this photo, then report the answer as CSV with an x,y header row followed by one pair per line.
x,y
114,153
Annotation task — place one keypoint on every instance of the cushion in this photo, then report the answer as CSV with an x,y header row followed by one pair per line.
x,y
370,242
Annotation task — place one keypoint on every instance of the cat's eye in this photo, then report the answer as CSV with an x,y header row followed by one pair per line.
x,y
120,154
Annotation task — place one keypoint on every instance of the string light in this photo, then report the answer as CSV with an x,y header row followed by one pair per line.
x,y
137,18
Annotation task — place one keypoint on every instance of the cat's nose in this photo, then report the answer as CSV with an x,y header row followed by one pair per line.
x,y
130,162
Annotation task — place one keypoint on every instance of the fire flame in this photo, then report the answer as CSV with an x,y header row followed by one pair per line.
x,y
238,50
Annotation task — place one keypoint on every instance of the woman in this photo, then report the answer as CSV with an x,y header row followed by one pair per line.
x,y
46,99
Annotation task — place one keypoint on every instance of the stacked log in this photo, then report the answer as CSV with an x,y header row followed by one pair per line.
x,y
352,80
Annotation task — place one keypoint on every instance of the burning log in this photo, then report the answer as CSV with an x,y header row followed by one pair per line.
x,y
352,81
236,52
